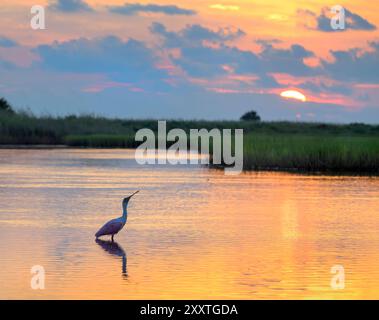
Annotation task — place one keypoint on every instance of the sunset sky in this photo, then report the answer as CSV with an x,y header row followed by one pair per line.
x,y
193,59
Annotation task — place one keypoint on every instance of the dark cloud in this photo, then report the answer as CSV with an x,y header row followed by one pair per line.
x,y
207,62
194,35
70,6
290,61
135,8
201,60
325,88
267,42
355,64
7,43
197,32
204,54
267,81
353,21
120,60
6,65
76,65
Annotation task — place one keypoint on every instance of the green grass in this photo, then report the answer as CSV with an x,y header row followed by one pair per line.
x,y
267,145
326,153
101,141
24,128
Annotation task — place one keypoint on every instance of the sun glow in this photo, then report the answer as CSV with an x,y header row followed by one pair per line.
x,y
293,94
224,7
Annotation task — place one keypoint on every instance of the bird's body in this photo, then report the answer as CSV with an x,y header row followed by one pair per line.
x,y
114,226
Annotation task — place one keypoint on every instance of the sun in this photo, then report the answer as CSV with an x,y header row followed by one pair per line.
x,y
293,94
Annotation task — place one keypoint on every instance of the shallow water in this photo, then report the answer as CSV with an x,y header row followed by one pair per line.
x,y
191,233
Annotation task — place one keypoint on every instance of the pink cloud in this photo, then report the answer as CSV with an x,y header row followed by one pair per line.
x,y
99,87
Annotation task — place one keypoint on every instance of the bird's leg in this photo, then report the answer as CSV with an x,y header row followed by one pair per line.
x,y
112,237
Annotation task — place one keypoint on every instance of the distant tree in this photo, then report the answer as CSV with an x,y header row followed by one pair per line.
x,y
251,116
5,106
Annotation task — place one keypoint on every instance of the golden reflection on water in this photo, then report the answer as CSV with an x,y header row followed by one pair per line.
x,y
192,233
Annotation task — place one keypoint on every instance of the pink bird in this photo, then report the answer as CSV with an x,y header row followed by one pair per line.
x,y
113,226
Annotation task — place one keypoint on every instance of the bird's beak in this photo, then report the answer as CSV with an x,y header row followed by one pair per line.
x,y
133,194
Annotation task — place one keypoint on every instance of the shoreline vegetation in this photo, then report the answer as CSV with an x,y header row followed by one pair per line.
x,y
283,146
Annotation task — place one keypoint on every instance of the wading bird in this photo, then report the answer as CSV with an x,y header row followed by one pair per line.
x,y
113,226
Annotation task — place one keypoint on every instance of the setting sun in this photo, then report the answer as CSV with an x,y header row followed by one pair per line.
x,y
293,94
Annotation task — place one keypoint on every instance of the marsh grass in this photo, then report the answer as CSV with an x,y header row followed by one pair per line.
x,y
267,145
311,153
101,141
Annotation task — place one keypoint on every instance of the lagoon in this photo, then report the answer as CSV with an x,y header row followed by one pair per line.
x,y
192,232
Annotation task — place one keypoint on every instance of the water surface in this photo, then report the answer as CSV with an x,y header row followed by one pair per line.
x,y
191,233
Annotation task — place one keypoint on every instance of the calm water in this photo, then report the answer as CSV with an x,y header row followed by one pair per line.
x,y
191,233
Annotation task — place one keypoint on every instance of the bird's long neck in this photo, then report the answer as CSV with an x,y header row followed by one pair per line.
x,y
125,212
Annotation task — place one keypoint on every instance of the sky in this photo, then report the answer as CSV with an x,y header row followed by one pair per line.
x,y
200,59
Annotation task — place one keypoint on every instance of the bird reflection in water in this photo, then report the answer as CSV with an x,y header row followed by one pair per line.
x,y
115,249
